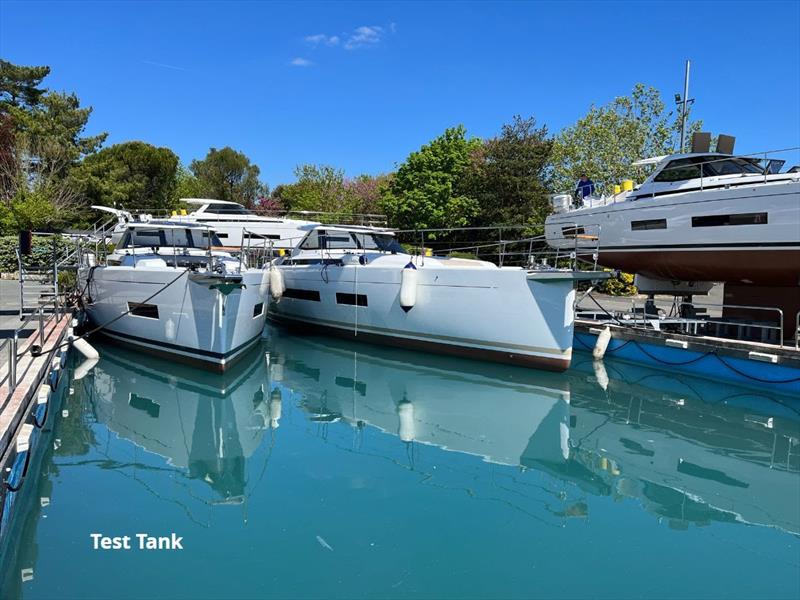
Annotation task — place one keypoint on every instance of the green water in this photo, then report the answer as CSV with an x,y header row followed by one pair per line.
x,y
321,468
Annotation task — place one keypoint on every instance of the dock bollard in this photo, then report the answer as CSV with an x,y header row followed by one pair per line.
x,y
603,338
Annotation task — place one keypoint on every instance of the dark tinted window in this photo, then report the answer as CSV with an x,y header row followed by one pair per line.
x,y
298,294
730,166
351,299
226,209
680,170
149,311
649,224
724,220
258,310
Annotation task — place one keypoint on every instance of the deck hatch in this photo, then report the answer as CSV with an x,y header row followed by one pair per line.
x,y
725,220
351,299
299,294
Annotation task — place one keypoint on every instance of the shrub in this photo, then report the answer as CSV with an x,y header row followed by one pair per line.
x,y
618,285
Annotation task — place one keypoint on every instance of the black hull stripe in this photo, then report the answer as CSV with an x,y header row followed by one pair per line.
x,y
183,349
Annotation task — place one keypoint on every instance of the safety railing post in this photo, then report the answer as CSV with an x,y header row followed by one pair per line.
x,y
12,363
41,324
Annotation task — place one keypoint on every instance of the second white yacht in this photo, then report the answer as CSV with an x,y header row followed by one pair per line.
x,y
360,283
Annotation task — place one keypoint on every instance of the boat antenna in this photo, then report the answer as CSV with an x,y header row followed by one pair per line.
x,y
684,104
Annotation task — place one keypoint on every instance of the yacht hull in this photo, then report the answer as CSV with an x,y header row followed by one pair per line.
x,y
491,314
198,321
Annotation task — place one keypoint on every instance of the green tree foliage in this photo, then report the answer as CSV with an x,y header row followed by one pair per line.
x,y
318,188
508,175
186,185
428,191
605,142
19,86
132,175
41,140
228,175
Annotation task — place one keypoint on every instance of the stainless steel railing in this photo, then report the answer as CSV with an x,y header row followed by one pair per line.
x,y
10,347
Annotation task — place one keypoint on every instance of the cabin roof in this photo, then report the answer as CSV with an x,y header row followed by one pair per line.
x,y
202,201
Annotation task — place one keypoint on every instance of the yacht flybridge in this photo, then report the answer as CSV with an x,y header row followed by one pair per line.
x,y
358,282
698,217
232,222
166,290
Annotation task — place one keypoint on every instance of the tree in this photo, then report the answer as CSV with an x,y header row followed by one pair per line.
x,y
427,192
19,86
604,143
508,175
186,185
41,140
131,175
228,175
319,188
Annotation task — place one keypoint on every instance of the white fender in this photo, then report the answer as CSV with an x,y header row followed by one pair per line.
x,y
83,369
408,287
602,343
275,408
276,285
406,430
600,374
85,348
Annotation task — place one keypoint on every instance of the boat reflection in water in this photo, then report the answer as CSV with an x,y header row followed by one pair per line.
x,y
690,451
204,424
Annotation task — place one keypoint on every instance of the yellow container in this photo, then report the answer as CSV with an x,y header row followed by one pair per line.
x,y
627,185
183,212
617,189
281,252
428,252
174,213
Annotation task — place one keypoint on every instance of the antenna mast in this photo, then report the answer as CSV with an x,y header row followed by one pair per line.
x,y
684,105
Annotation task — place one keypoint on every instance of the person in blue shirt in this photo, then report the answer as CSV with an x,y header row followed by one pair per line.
x,y
584,188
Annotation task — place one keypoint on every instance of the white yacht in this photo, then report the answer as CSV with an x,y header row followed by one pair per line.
x,y
698,217
233,223
359,283
166,291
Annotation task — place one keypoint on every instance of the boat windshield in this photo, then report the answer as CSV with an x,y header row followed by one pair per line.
x,y
140,237
226,209
351,240
683,169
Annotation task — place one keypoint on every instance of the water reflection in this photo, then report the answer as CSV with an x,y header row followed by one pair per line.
x,y
205,425
691,451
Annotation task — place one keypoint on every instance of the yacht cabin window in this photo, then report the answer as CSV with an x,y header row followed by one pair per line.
x,y
690,168
168,237
226,209
346,240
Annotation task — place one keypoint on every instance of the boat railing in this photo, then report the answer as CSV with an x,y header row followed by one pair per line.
x,y
506,245
797,330
714,320
10,347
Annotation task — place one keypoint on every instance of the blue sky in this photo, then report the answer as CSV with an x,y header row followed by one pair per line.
x,y
360,85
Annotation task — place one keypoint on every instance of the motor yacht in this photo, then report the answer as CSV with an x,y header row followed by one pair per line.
x,y
165,290
233,223
359,282
697,217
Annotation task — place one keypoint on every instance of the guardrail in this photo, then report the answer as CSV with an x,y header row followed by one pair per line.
x,y
771,332
10,347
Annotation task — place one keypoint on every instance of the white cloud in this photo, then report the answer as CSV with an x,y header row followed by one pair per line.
x,y
320,39
301,62
366,35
